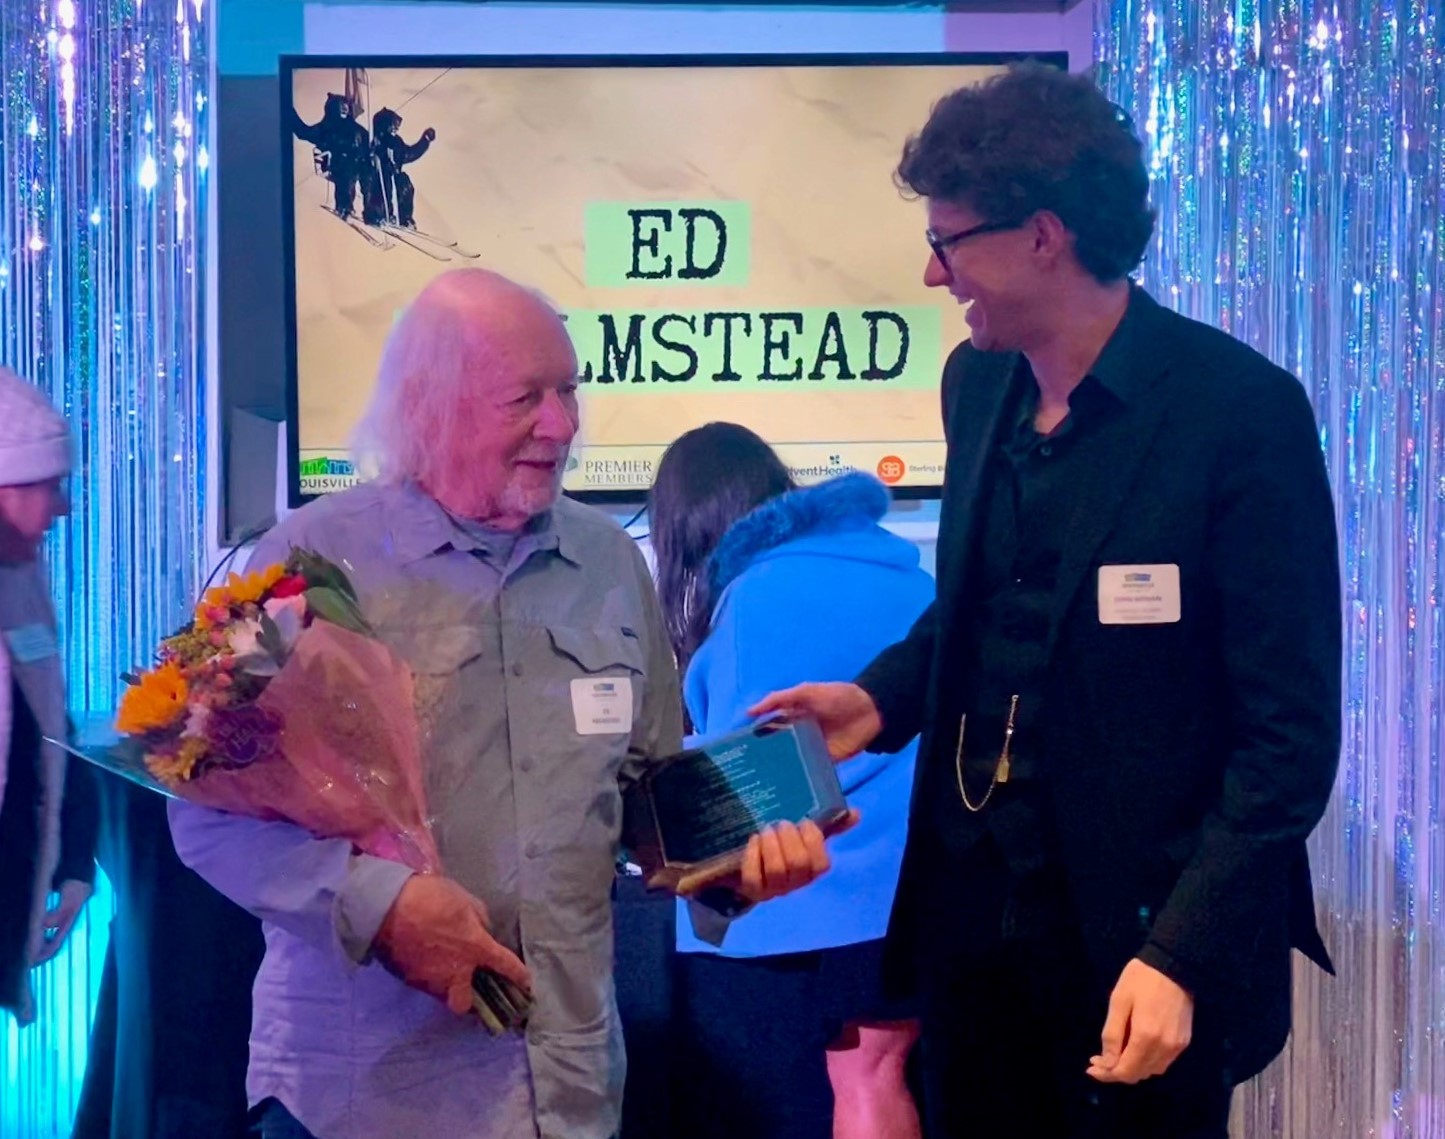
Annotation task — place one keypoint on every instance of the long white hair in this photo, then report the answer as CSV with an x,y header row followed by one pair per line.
x,y
426,380
422,379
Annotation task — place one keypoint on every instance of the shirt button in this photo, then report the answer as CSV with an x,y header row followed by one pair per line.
x,y
525,763
533,850
1046,450
517,668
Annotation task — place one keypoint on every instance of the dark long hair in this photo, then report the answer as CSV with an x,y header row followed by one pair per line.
x,y
706,481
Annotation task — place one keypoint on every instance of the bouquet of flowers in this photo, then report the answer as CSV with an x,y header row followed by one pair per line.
x,y
277,701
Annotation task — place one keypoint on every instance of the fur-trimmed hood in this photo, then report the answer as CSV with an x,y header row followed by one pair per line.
x,y
849,502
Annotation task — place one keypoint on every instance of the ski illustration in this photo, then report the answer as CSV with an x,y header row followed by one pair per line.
x,y
432,239
406,237
370,234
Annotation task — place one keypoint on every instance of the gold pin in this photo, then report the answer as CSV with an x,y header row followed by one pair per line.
x,y
1001,768
1005,760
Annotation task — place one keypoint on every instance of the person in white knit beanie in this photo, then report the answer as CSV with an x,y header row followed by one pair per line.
x,y
35,454
47,814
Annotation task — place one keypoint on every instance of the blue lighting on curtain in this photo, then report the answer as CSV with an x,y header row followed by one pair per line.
x,y
103,117
1297,151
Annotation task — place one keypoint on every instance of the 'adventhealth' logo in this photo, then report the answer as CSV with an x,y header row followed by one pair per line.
x,y
1142,578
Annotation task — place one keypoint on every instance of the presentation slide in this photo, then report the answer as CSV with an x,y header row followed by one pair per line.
x,y
725,242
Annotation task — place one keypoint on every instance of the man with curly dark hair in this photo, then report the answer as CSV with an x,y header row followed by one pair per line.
x,y
1128,689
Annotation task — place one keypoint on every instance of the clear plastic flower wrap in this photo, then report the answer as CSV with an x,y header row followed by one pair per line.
x,y
331,744
278,702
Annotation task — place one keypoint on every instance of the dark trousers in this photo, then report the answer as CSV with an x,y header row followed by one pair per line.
x,y
405,199
645,931
1012,1014
750,1056
168,1048
345,179
271,1120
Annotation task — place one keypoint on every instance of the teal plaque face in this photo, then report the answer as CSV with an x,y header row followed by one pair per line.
x,y
711,799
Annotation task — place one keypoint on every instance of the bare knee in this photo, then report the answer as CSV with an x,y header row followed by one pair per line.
x,y
871,1053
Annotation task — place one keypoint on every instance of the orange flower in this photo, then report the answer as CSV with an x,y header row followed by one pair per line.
x,y
254,586
239,589
157,700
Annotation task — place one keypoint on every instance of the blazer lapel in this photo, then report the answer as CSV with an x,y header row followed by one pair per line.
x,y
1116,461
973,426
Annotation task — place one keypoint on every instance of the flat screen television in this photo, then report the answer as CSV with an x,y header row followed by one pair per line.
x,y
722,234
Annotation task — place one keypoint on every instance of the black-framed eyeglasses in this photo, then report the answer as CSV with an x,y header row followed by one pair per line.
x,y
941,244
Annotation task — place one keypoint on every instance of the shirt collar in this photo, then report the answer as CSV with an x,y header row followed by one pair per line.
x,y
1122,369
1129,358
422,527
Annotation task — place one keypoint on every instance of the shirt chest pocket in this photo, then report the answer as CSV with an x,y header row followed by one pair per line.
x,y
599,678
446,663
455,699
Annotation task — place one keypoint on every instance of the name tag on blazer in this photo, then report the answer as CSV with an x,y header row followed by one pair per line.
x,y
30,643
1139,595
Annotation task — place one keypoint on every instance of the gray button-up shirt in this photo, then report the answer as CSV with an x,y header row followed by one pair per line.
x,y
527,814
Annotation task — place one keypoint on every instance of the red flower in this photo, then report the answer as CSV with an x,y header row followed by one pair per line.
x,y
291,586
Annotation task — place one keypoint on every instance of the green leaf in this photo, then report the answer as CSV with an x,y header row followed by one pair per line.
x,y
324,573
343,584
270,638
334,606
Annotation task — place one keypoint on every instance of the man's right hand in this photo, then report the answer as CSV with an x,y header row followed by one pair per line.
x,y
847,714
435,935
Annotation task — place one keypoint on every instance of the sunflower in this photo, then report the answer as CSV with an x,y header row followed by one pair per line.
x,y
238,590
255,585
156,700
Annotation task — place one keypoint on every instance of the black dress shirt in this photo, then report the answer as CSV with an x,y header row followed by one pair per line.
x,y
1028,500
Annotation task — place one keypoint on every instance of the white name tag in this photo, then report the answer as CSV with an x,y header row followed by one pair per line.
x,y
602,706
31,643
1138,595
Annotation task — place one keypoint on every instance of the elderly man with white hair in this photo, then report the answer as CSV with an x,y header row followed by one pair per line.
x,y
506,600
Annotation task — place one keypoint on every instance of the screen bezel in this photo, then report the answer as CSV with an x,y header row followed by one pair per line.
x,y
292,63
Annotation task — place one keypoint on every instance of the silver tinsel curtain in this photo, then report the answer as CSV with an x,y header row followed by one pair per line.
x,y
103,165
1297,149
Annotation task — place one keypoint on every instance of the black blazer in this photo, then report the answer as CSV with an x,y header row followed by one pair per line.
x,y
1187,762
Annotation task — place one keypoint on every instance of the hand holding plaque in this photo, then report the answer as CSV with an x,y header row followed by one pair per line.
x,y
845,713
689,821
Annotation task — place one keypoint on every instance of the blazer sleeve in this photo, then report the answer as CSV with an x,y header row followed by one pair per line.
x,y
1273,568
897,679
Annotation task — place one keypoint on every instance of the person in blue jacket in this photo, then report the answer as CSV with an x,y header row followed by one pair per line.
x,y
783,1029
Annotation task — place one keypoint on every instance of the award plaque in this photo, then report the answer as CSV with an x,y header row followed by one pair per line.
x,y
687,821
